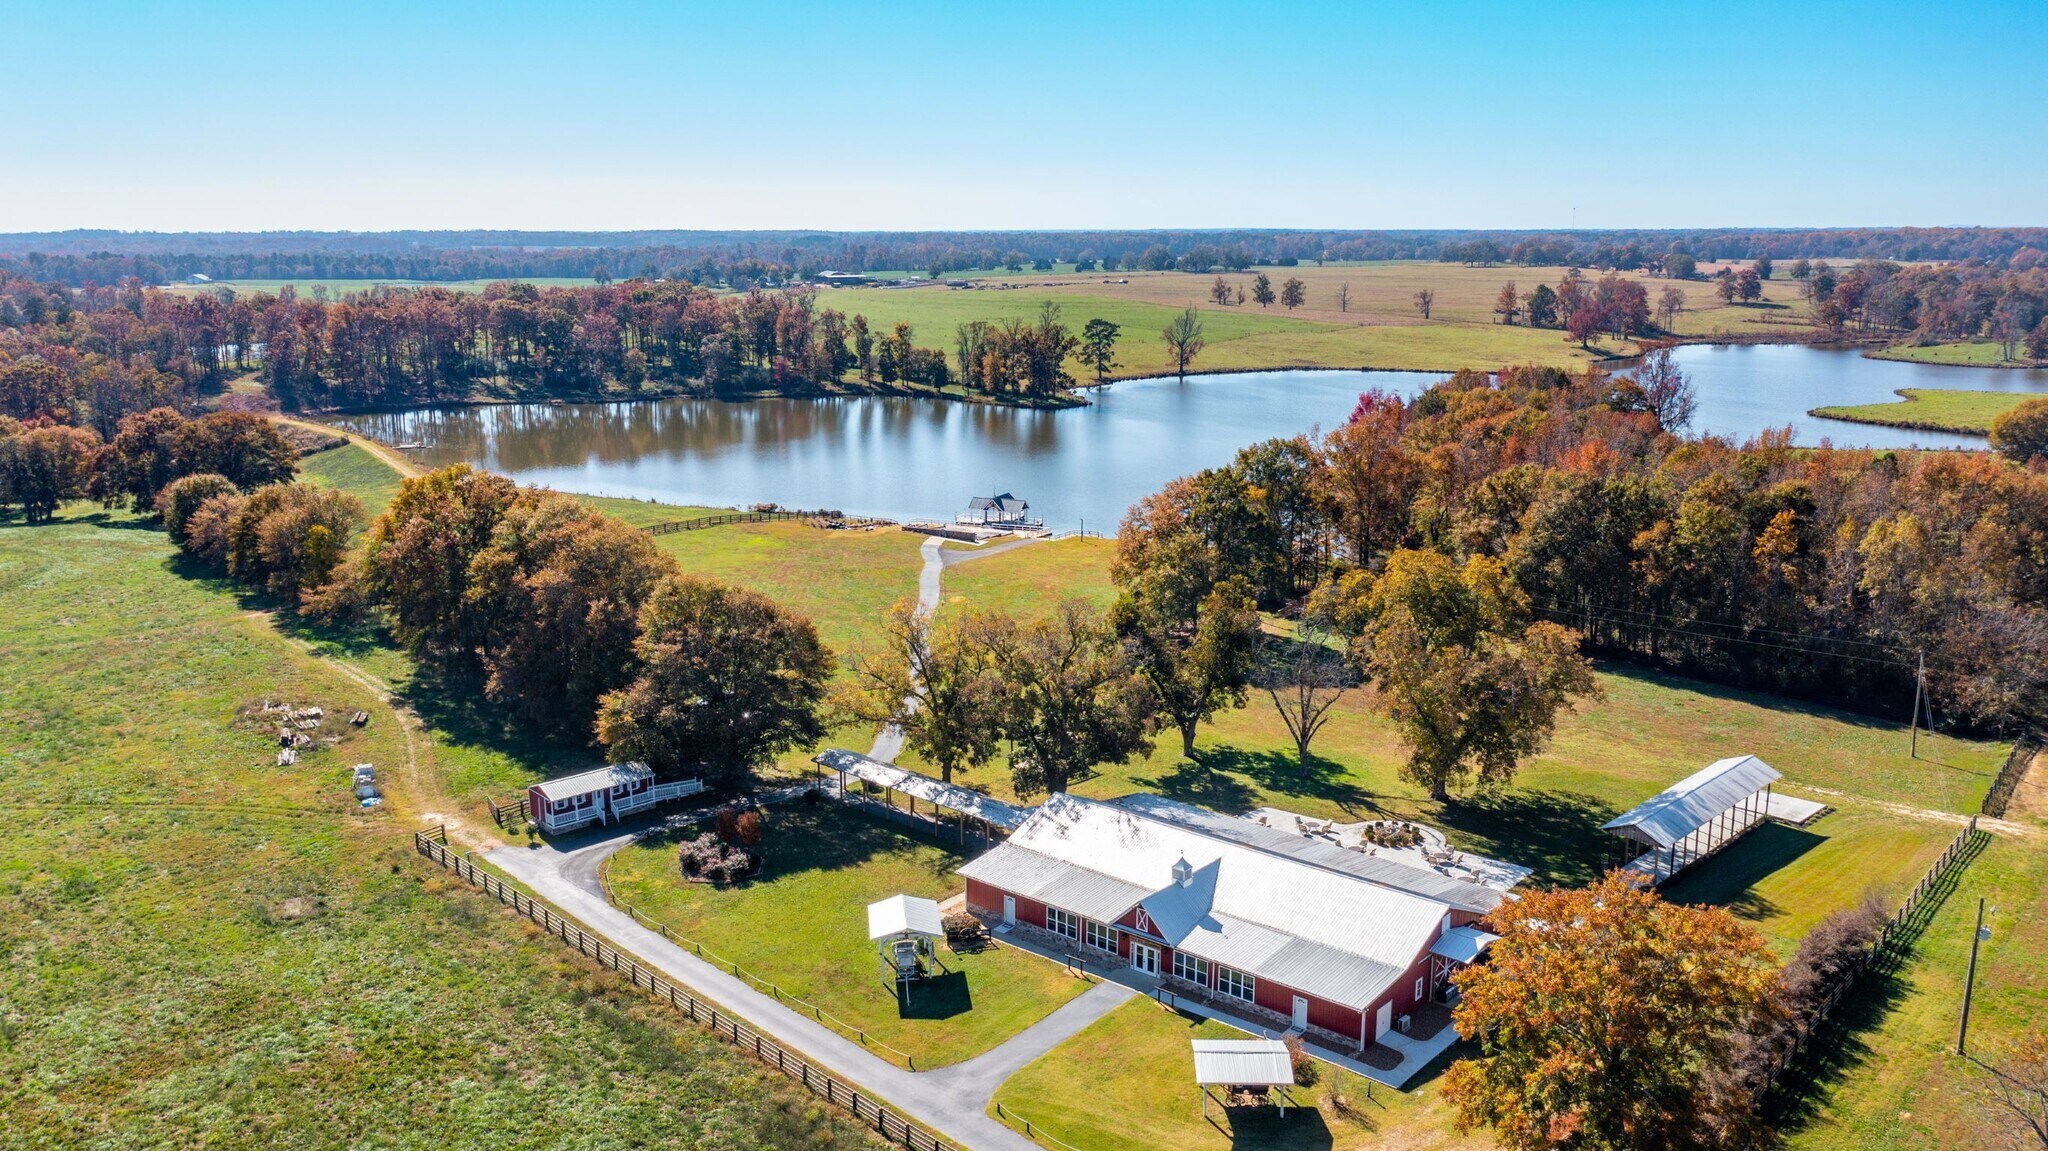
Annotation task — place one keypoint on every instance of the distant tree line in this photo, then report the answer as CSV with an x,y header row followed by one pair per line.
x,y
754,259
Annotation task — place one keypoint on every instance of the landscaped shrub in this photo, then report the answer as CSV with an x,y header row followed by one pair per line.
x,y
728,825
1306,1070
206,530
749,829
1829,956
708,859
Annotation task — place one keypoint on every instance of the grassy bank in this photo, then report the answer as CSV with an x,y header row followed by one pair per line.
x,y
208,950
1934,409
1966,354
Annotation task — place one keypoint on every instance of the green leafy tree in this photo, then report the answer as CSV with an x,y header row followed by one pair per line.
x,y
287,538
40,468
1606,1019
1293,293
1262,289
1472,685
1071,699
1198,658
933,684
727,680
1541,306
1098,346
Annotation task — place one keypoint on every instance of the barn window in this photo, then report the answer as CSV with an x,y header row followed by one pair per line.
x,y
1235,983
1061,923
1418,989
1101,938
1190,969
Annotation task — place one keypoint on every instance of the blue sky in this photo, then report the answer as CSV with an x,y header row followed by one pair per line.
x,y
206,115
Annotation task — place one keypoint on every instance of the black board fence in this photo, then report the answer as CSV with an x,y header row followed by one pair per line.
x,y
1896,934
2009,776
884,1121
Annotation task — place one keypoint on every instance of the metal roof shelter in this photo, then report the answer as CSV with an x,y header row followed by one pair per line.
x,y
601,779
1243,1063
970,804
904,915
1697,816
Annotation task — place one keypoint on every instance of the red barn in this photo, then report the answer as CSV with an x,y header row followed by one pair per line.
x,y
1262,922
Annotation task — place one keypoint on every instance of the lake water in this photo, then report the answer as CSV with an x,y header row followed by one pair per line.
x,y
912,459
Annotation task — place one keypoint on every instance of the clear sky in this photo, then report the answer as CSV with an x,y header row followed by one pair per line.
x,y
368,115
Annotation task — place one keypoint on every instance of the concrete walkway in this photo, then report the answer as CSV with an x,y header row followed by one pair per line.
x,y
950,1100
937,558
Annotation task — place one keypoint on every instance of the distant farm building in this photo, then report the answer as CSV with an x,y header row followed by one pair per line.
x,y
1261,923
842,279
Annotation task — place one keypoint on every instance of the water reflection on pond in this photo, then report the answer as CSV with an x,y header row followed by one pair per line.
x,y
907,458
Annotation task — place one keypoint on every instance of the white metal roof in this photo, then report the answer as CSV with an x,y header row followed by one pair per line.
x,y
602,779
904,915
1458,893
1242,1062
1463,944
1677,811
1263,913
1048,879
952,796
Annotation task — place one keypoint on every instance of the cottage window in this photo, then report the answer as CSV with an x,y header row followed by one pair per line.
x,y
1418,989
1101,938
1235,983
1190,969
1061,923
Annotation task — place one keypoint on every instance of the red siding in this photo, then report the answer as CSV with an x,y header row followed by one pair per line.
x,y
990,899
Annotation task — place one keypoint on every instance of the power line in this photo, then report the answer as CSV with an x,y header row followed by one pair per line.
x,y
1743,627
1568,617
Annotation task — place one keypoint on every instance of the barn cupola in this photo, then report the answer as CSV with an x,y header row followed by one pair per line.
x,y
1183,873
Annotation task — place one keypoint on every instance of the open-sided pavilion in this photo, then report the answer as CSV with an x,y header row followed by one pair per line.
x,y
990,817
1696,817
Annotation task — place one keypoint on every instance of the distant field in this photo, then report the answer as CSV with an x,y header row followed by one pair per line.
x,y
1971,354
1943,409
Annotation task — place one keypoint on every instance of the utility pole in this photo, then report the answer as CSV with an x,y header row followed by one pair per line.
x,y
1919,687
1970,980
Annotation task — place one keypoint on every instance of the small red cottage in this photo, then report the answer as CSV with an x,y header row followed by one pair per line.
x,y
1259,921
601,796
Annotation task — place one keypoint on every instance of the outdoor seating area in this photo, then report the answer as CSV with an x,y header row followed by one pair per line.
x,y
1398,841
1243,1067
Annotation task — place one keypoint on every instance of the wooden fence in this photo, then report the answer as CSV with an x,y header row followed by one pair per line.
x,y
668,526
512,809
1893,937
2009,776
891,1126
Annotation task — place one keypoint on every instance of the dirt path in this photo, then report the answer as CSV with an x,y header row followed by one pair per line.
x,y
1953,818
389,457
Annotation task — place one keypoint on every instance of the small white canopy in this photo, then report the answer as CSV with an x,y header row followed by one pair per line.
x,y
904,915
1463,944
1242,1063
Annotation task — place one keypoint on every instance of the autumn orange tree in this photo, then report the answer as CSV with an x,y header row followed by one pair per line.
x,y
1604,1019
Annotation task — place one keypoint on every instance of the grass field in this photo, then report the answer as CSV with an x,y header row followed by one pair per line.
x,y
1125,1083
802,925
205,950
1969,354
1943,409
353,468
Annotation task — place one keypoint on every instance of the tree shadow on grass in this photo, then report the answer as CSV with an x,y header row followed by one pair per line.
x,y
1277,772
1842,1044
939,996
1557,833
1730,879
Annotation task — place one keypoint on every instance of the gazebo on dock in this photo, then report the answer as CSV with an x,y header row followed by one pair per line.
x,y
990,817
1696,817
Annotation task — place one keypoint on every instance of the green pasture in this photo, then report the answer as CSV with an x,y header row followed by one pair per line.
x,y
1967,353
1941,409
802,926
207,950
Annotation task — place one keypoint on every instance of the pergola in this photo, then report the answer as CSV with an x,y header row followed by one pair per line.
x,y
1695,817
1243,1063
905,926
969,805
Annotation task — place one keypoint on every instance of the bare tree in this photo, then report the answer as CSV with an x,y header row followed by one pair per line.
x,y
1184,340
1424,301
1670,302
2018,1091
1666,390
1304,677
1344,296
1220,291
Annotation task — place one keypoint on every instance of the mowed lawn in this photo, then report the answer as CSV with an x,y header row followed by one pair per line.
x,y
1032,579
207,950
1947,409
353,468
1126,1083
802,925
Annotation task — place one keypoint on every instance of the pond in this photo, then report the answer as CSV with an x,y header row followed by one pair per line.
x,y
912,459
